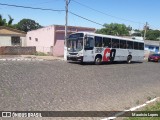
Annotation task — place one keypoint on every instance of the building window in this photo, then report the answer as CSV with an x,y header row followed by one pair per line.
x,y
15,41
151,47
36,39
30,38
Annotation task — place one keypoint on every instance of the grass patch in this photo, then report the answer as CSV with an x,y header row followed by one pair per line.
x,y
155,107
41,54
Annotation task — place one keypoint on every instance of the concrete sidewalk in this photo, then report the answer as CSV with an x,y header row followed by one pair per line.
x,y
28,57
43,57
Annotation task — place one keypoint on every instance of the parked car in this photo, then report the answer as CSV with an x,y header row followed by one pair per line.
x,y
154,57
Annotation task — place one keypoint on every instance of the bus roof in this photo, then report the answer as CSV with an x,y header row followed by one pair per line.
x,y
110,36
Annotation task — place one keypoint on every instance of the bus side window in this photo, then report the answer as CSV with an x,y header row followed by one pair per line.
x,y
129,45
141,46
98,41
123,44
115,43
136,45
107,42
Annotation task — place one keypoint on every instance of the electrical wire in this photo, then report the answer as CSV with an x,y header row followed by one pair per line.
x,y
86,18
105,13
31,7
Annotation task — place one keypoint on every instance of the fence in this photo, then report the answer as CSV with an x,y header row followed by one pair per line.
x,y
17,50
46,50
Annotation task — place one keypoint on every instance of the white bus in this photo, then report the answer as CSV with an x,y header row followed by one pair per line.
x,y
91,47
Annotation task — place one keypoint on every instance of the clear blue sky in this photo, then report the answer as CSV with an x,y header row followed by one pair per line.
x,y
135,10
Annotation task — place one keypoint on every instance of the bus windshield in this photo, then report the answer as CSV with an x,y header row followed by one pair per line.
x,y
75,43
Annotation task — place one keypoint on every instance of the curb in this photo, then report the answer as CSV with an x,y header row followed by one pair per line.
x,y
20,59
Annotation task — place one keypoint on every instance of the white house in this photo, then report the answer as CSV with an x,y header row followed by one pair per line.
x,y
12,37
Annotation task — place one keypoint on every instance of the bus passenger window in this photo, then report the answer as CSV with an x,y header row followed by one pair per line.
x,y
115,43
141,46
122,44
136,45
107,42
129,45
98,41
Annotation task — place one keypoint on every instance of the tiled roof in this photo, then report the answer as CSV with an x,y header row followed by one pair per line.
x,y
11,31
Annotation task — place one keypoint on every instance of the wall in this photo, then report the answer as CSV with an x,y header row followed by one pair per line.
x,y
45,37
23,41
5,41
152,48
17,50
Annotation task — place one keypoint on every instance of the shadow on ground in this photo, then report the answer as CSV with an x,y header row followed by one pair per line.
x,y
105,63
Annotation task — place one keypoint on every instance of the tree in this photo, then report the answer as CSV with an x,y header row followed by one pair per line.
x,y
10,21
3,22
152,34
27,25
114,29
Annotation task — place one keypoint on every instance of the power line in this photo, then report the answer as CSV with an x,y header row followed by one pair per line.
x,y
85,18
51,10
106,13
27,7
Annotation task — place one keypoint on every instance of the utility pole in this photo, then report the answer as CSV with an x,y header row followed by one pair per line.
x,y
66,24
145,31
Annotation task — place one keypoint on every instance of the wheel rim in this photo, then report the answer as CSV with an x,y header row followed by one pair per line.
x,y
129,60
98,60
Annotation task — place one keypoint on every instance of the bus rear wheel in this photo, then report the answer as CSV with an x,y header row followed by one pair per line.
x,y
98,60
129,59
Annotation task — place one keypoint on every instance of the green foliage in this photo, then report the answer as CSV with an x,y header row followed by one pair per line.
x,y
155,107
27,25
3,21
114,29
152,34
10,20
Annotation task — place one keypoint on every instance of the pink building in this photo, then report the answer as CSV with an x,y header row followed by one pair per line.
x,y
51,39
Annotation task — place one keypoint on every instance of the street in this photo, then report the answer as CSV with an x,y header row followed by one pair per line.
x,y
62,86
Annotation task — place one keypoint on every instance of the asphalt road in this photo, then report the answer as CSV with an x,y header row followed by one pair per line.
x,y
61,86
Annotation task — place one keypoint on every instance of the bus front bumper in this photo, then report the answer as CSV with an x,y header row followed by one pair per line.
x,y
75,58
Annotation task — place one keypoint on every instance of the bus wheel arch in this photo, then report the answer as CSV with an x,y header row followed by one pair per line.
x,y
129,59
98,59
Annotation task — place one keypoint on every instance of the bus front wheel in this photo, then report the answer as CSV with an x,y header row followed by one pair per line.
x,y
98,60
129,59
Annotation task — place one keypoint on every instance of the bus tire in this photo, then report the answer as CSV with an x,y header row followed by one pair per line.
x,y
82,63
98,60
129,59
